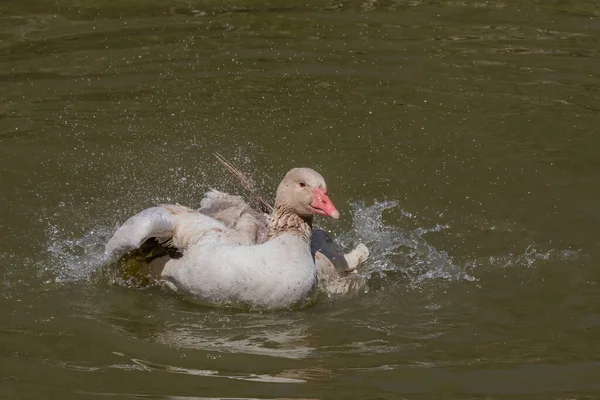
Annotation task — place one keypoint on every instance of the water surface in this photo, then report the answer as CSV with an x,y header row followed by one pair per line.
x,y
458,139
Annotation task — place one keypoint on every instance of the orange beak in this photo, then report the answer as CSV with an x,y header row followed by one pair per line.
x,y
322,204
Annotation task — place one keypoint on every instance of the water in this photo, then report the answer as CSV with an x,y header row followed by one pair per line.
x,y
458,139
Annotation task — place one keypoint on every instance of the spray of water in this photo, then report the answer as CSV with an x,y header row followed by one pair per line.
x,y
72,259
393,251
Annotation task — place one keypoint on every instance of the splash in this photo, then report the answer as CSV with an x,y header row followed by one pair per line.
x,y
396,250
76,258
407,252
395,253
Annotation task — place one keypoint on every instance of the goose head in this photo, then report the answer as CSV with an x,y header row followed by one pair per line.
x,y
304,192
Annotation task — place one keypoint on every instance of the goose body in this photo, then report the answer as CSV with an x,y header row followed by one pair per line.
x,y
279,273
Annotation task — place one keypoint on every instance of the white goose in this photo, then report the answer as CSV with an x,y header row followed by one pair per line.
x,y
336,270
221,265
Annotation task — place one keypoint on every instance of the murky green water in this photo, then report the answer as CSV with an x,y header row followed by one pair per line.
x,y
459,140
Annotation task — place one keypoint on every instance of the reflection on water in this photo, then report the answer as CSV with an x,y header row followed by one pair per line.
x,y
148,366
276,338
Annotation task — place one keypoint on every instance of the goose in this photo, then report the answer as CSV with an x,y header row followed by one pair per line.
x,y
336,270
223,265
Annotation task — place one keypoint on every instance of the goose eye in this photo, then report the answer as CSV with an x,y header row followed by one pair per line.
x,y
302,184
